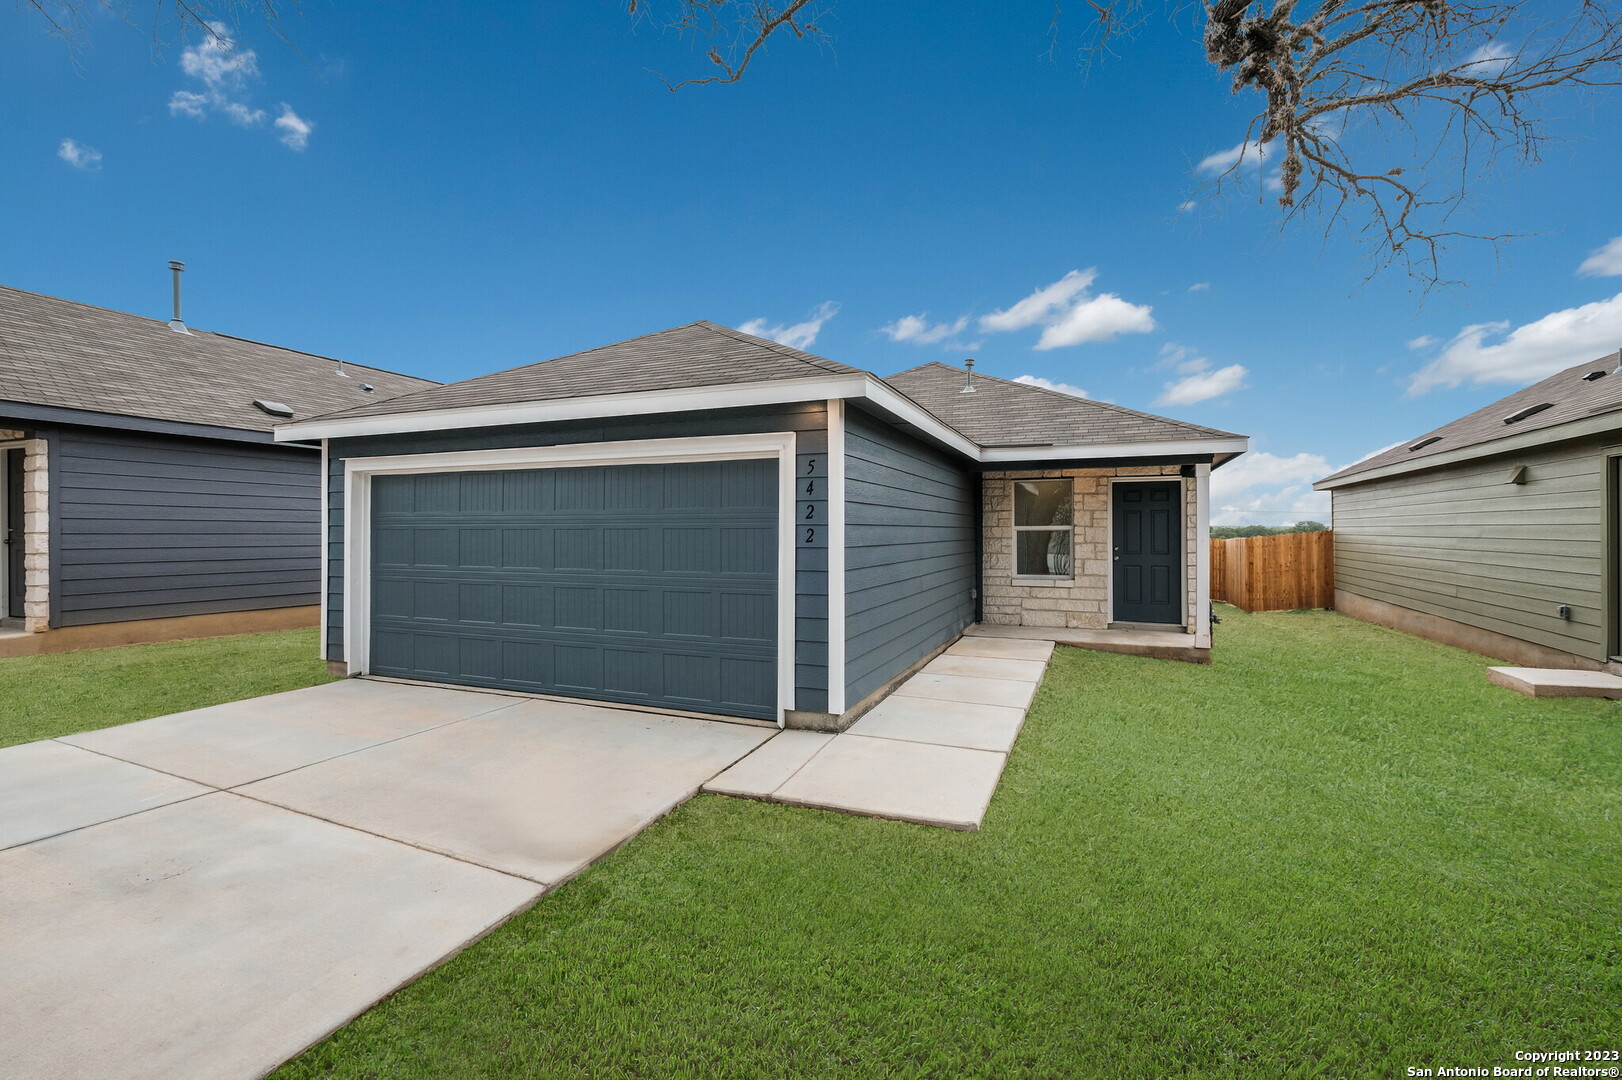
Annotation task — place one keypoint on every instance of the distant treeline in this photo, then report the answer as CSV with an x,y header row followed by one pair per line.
x,y
1230,532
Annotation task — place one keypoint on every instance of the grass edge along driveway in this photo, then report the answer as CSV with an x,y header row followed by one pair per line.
x,y
1335,852
43,697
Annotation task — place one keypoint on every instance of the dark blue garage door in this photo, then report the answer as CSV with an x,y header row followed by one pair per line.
x,y
649,584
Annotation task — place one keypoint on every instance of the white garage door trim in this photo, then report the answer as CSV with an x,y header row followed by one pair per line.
x,y
358,473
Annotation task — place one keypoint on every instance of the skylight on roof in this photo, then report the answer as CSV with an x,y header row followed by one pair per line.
x,y
1530,410
273,408
1422,443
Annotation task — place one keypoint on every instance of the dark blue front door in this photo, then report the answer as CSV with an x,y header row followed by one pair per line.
x,y
649,584
1147,543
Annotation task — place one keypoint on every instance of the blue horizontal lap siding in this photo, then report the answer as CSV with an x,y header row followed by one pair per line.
x,y
808,421
153,526
910,552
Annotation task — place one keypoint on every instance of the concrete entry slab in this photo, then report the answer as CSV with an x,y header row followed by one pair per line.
x,y
944,723
242,741
931,785
538,790
1008,693
986,667
49,787
1005,648
217,937
769,767
1556,682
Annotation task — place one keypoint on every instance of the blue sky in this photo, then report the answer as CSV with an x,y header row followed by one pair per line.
x,y
449,192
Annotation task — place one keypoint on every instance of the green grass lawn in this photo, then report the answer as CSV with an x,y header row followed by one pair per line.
x,y
1335,852
42,697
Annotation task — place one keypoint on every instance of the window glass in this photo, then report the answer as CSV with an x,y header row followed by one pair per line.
x,y
1042,502
1043,553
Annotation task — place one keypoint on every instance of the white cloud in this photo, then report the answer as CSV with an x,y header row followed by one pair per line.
x,y
80,156
1046,384
1603,261
1181,359
800,335
1042,305
1203,386
1200,286
1526,353
1070,315
1423,341
1259,488
226,69
1489,61
1241,158
1186,205
294,128
1247,154
917,329
1099,318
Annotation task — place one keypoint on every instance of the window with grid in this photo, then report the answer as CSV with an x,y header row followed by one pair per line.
x,y
1044,529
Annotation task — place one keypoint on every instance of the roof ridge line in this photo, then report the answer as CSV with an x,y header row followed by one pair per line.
x,y
789,351
317,356
1091,401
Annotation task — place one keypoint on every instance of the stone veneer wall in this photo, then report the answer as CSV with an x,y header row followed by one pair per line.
x,y
1082,602
36,533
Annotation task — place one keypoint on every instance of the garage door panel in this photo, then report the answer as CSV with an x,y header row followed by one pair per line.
x,y
649,584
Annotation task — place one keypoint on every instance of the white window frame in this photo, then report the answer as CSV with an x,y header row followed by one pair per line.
x,y
1201,555
1013,518
359,472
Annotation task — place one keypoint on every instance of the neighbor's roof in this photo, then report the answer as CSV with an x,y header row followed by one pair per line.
x,y
1568,396
1001,413
697,355
74,356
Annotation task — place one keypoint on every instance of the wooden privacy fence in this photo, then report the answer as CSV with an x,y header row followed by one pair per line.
x,y
1275,573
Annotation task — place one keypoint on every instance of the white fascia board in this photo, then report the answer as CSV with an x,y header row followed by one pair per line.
x,y
1585,427
736,395
904,407
1182,448
686,399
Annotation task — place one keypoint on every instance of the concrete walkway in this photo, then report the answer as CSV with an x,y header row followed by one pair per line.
x,y
931,753
204,895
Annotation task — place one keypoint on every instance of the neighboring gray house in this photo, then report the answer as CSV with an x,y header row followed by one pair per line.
x,y
1497,532
703,520
144,497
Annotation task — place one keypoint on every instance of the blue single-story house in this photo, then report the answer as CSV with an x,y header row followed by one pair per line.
x,y
143,497
706,521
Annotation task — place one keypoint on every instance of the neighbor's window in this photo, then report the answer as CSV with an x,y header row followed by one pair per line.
x,y
1043,525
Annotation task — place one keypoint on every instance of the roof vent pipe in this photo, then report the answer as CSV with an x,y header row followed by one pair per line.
x,y
968,377
175,324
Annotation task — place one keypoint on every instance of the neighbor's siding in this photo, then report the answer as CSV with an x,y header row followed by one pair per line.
x,y
154,526
1463,544
808,421
909,554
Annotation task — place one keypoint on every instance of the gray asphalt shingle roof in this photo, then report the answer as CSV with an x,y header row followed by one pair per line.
x,y
704,354
1569,396
74,356
1005,414
696,355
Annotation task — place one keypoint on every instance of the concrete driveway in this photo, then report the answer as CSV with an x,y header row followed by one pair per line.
x,y
206,894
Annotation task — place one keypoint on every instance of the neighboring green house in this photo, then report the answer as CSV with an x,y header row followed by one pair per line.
x,y
1496,532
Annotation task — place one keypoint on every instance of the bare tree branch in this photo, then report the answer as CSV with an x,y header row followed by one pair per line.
x,y
1342,85
748,24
